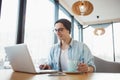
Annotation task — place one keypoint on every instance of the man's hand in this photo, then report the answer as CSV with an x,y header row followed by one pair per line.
x,y
82,67
44,66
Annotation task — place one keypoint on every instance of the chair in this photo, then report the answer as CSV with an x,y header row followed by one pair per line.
x,y
106,66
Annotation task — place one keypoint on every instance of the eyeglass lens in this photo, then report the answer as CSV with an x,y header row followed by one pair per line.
x,y
59,30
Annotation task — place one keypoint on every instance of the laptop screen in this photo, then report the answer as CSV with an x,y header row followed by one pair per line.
x,y
19,58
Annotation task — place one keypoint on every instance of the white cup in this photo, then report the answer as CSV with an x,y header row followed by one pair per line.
x,y
72,65
1,63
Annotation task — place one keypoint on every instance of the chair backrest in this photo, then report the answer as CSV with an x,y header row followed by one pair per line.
x,y
106,66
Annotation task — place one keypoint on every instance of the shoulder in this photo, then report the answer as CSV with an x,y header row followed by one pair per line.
x,y
76,43
54,46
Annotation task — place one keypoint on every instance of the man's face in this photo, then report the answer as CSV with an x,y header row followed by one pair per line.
x,y
61,31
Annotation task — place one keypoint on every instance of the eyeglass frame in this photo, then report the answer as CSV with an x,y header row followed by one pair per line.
x,y
58,30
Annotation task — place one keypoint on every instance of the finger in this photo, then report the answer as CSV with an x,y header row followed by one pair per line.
x,y
41,66
82,68
46,67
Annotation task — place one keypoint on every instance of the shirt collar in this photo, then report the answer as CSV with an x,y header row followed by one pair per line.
x,y
71,43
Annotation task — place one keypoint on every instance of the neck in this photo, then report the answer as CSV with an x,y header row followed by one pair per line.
x,y
65,43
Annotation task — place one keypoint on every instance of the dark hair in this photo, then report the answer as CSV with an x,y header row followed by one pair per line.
x,y
66,23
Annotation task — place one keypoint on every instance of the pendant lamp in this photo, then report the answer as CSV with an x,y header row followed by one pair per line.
x,y
83,8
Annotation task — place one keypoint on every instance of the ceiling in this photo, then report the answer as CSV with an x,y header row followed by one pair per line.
x,y
107,10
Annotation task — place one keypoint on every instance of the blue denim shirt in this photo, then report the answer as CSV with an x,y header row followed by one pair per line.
x,y
76,50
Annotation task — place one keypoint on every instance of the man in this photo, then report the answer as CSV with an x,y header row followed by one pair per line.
x,y
67,49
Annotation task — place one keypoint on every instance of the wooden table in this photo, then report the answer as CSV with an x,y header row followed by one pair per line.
x,y
11,75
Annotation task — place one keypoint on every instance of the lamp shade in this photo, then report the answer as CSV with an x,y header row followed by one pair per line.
x,y
82,8
100,28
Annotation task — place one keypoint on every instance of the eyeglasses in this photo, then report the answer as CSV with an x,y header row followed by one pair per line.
x,y
58,30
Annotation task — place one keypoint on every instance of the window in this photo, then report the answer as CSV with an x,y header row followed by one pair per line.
x,y
76,32
104,46
8,26
38,27
63,15
117,40
101,46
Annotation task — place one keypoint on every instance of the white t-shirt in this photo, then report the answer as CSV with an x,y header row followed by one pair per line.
x,y
64,59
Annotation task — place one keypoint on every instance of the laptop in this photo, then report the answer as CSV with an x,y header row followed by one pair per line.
x,y
21,60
